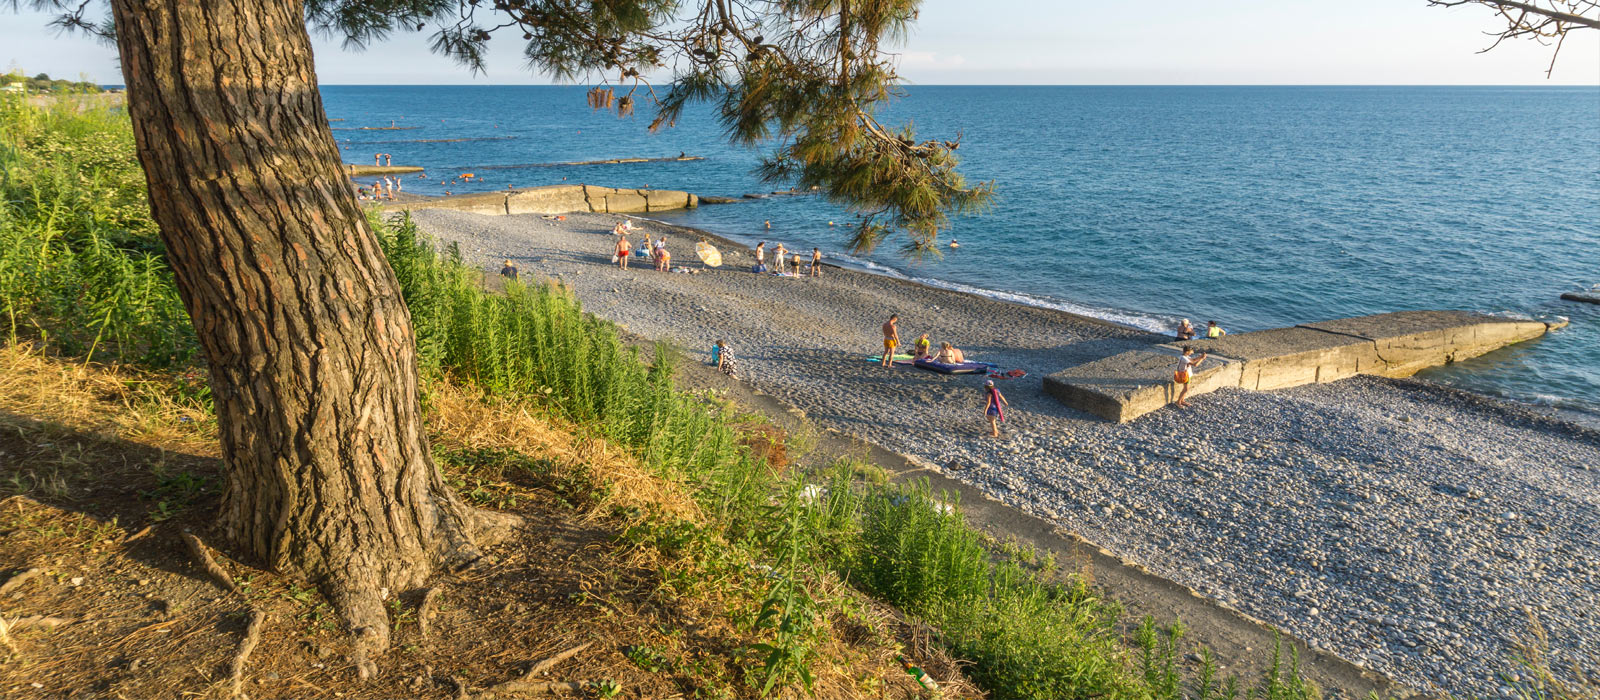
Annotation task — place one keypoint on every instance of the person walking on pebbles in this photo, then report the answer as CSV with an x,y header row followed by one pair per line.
x,y
622,251
1186,366
509,271
994,407
891,339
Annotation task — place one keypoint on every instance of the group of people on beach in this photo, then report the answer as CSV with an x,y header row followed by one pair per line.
x,y
994,403
1186,330
656,250
381,189
785,266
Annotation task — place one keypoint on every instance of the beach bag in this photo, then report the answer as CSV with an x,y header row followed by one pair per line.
x,y
1180,377
613,258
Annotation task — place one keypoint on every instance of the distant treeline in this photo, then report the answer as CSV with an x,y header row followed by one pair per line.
x,y
44,83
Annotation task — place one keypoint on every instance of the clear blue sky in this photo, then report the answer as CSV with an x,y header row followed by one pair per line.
x,y
1066,42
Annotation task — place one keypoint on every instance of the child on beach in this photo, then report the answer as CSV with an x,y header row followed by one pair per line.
x,y
816,262
994,407
1185,372
724,359
622,251
891,339
797,264
761,258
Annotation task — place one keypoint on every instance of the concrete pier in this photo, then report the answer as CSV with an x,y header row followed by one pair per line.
x,y
1128,385
354,170
559,199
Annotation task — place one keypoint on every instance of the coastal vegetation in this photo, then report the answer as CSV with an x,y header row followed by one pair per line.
x,y
43,83
82,277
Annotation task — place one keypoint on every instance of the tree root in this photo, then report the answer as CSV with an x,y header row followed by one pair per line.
x,y
252,636
141,533
21,578
197,549
425,611
25,622
526,684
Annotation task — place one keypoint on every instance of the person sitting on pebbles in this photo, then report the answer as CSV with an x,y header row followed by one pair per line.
x,y
921,348
950,354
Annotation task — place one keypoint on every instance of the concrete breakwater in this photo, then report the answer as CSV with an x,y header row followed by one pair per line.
x,y
559,199
1130,384
354,170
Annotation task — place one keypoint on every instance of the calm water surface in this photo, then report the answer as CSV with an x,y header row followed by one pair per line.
x,y
1256,206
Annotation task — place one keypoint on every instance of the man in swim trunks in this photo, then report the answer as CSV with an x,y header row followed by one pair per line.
x,y
816,262
622,251
891,339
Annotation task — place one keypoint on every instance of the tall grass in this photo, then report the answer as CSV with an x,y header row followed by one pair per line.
x,y
80,264
80,268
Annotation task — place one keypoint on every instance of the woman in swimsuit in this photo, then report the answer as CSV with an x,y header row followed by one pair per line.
x,y
950,354
994,407
921,347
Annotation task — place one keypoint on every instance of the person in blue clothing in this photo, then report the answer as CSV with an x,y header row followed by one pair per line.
x,y
994,407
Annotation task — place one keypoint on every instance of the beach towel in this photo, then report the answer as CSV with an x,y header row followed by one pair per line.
x,y
1008,374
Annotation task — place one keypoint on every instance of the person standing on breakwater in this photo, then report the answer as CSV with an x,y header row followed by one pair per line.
x,y
1213,330
891,339
994,407
816,262
1186,366
761,258
622,252
509,271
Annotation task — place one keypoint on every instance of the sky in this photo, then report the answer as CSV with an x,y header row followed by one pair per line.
x,y
1040,42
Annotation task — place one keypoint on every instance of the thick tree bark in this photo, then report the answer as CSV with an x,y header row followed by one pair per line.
x,y
310,346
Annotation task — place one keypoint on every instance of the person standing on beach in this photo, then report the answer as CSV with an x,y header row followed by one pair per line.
x,y
994,407
761,257
509,271
816,262
796,262
891,339
622,251
779,258
1186,366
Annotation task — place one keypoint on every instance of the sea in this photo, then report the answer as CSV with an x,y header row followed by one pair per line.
x,y
1257,207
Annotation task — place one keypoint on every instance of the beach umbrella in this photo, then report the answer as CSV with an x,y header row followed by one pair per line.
x,y
708,254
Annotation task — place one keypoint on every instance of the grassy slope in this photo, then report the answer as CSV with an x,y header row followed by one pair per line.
x,y
79,274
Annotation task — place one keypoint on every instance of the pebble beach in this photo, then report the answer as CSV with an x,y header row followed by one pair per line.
x,y
1412,529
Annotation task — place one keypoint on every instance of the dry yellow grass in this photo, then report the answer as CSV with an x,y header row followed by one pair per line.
x,y
109,402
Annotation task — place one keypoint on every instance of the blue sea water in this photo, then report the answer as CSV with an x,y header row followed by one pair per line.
x,y
1255,206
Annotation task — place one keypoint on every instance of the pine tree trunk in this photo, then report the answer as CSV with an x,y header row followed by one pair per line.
x,y
310,346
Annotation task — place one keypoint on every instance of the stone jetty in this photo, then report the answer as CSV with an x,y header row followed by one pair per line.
x,y
1125,386
354,170
559,199
1584,297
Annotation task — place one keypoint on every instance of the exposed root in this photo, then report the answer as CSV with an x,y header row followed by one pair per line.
x,y
21,578
45,621
535,688
425,611
490,526
526,684
141,533
198,550
363,609
252,636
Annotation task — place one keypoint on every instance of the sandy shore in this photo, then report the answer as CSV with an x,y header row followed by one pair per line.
x,y
1406,527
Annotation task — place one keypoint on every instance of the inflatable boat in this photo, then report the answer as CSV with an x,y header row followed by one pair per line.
x,y
948,368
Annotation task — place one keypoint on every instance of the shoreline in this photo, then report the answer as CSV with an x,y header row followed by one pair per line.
x,y
1251,499
1581,417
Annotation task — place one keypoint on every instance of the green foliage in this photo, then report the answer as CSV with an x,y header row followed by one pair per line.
x,y
80,264
44,83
